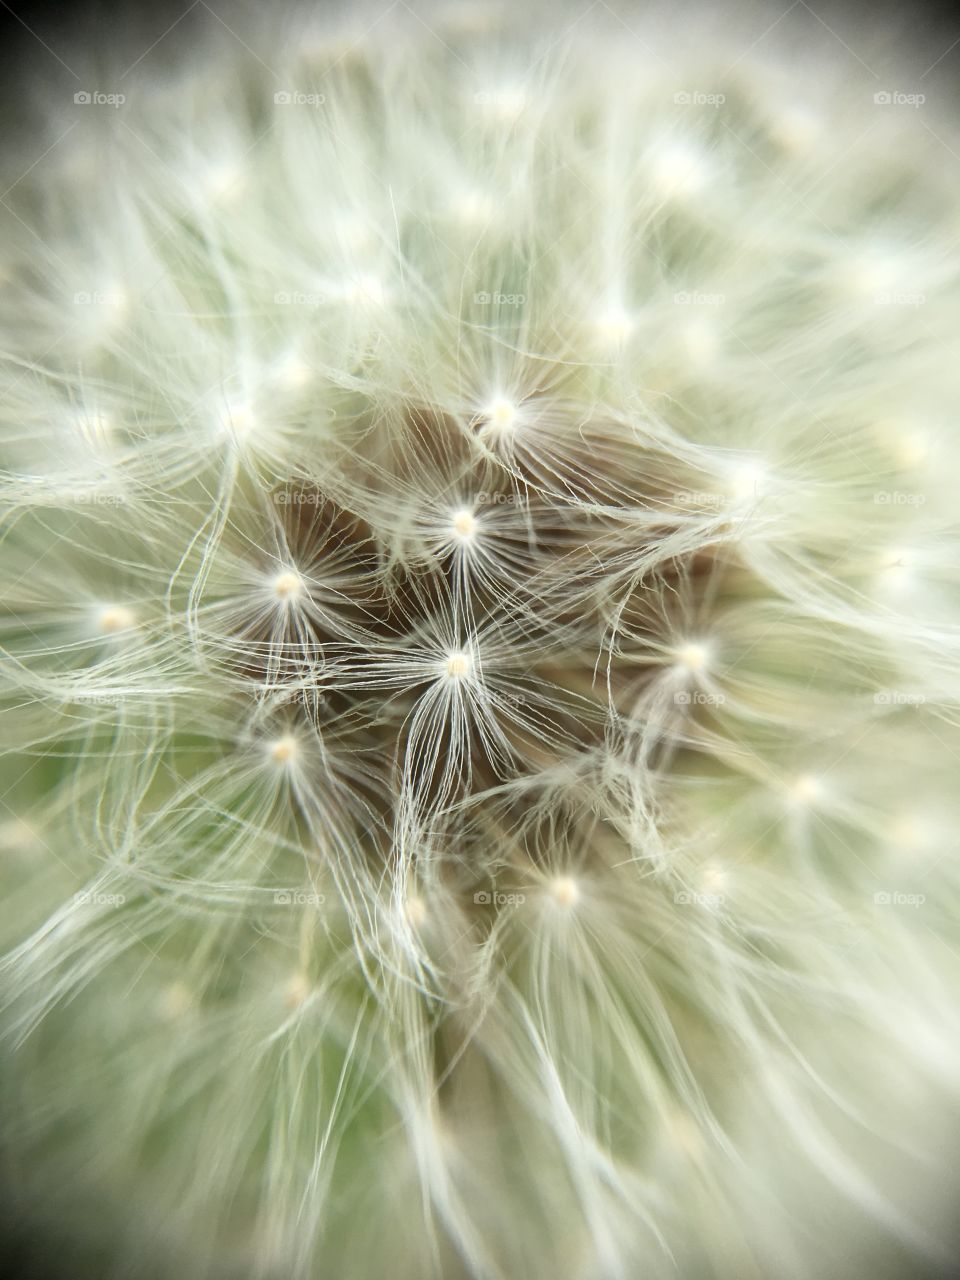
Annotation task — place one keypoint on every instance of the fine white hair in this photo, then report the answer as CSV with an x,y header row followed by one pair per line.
x,y
481,649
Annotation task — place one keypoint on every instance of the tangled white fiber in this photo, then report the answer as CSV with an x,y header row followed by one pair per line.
x,y
481,651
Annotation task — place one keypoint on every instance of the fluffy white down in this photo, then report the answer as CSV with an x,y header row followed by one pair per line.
x,y
481,653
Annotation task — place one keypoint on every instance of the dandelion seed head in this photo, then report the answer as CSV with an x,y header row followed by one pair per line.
x,y
401,577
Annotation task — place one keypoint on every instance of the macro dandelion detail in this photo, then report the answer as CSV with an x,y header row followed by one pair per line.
x,y
481,650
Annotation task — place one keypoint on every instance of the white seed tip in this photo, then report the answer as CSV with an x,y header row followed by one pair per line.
x,y
473,207
297,991
501,415
287,585
714,879
176,1001
747,480
365,290
225,182
678,171
293,373
415,911
238,417
565,891
283,750
806,789
464,524
796,129
913,449
615,325
693,657
458,665
116,618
